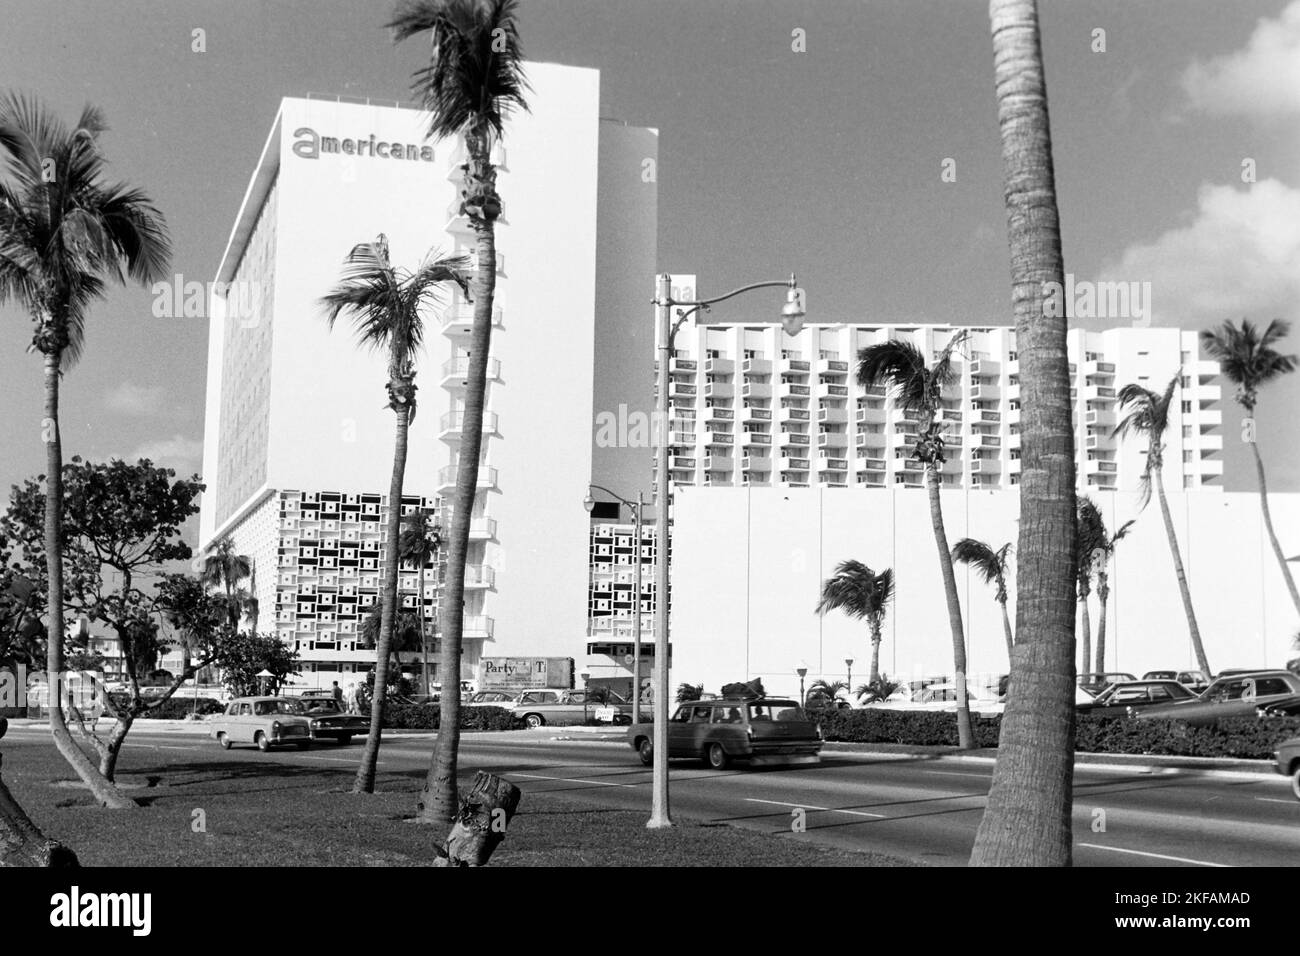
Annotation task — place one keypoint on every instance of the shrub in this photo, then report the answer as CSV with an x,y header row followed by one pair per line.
x,y
400,716
178,708
1240,737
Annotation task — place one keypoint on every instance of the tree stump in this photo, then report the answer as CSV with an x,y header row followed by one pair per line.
x,y
21,841
481,823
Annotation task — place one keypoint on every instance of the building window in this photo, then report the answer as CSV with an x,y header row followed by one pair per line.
x,y
1187,408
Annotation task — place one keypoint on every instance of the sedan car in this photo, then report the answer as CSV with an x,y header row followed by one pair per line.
x,y
1097,682
1193,680
1125,698
760,730
560,708
330,722
1286,707
1235,696
1287,762
264,721
490,698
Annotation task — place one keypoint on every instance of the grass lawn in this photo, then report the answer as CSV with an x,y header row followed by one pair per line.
x,y
265,810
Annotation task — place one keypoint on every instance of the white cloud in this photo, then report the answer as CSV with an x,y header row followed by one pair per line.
x,y
138,401
1239,257
1261,80
175,452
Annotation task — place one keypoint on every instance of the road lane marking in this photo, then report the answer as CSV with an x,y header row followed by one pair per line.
x,y
592,783
1274,800
804,806
1158,856
956,773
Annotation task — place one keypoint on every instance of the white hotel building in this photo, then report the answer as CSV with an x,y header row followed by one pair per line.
x,y
298,441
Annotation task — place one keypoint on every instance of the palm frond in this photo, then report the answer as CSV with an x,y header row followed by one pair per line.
x,y
900,367
856,590
986,562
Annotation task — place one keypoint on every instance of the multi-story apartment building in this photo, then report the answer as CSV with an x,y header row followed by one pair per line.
x,y
755,406
298,442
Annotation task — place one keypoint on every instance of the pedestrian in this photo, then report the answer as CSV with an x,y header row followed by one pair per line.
x,y
338,694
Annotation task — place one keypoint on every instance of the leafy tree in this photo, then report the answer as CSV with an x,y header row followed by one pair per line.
x,y
65,233
406,636
992,566
386,305
863,595
224,568
122,524
195,613
1148,418
243,656
472,81
1027,820
828,690
689,692
1249,359
918,388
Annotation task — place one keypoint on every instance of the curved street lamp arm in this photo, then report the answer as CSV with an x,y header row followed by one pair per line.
x,y
630,504
695,306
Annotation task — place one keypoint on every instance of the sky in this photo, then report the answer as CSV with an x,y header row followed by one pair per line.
x,y
804,135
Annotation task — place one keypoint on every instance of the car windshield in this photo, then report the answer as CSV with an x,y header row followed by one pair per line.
x,y
265,708
775,710
316,703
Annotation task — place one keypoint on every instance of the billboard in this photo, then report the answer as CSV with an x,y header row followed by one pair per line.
x,y
525,673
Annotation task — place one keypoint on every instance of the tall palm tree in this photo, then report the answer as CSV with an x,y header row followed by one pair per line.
x,y
386,305
918,388
1148,418
1027,820
1250,361
65,233
1090,537
473,80
992,566
405,637
1103,586
225,568
420,542
862,594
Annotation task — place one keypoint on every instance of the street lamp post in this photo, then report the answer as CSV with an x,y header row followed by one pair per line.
x,y
636,507
586,692
665,330
802,672
848,663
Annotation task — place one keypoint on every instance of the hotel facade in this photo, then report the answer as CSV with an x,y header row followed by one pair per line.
x,y
298,441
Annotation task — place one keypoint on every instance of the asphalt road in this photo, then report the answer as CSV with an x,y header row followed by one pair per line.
x,y
920,808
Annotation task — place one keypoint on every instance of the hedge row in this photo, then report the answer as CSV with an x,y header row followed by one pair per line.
x,y
399,716
1242,737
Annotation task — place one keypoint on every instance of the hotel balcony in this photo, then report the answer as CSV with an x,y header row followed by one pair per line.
x,y
1206,466
870,464
1209,416
795,438
1013,392
985,466
911,464
452,425
985,417
749,439
832,464
719,463
718,414
874,391
793,464
865,413
487,478
480,576
986,441
985,391
719,390
791,390
1013,440
1093,441
904,439
756,463
832,367
756,367
755,390
984,367
1013,466
720,366
1208,442
795,414
1207,393
681,463
752,413
1103,417
682,390
797,366
458,319
840,392
1101,466
871,481
955,416
477,627
833,414
832,440
1204,368
1095,369
683,365
719,438
455,372
1098,393
482,529
681,437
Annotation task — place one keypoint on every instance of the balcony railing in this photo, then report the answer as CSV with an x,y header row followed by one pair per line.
x,y
455,422
487,477
455,370
753,414
480,576
477,626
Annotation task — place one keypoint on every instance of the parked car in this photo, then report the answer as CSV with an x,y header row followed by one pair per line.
x,y
1194,680
1286,707
1124,698
760,730
1232,696
264,721
490,698
330,722
559,708
1095,683
1287,761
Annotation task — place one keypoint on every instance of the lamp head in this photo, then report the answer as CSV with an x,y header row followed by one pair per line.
x,y
848,661
794,310
589,502
801,671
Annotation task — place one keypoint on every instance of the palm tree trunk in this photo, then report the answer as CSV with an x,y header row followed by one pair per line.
x,y
1183,590
1085,628
1006,630
1272,535
365,780
105,794
875,654
1103,597
439,800
965,736
424,638
1027,819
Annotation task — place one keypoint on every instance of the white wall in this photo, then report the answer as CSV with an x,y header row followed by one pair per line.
x,y
748,564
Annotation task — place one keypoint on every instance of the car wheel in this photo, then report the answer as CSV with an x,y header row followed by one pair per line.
x,y
225,741
646,749
716,757
263,742
1295,782
534,721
